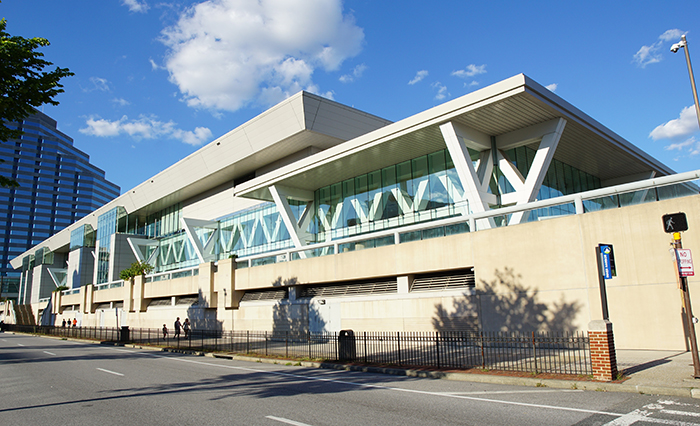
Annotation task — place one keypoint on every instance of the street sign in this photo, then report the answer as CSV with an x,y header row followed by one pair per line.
x,y
607,258
675,222
685,263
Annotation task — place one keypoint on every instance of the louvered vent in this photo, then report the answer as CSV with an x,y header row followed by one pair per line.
x,y
102,306
187,300
350,289
453,280
165,301
276,294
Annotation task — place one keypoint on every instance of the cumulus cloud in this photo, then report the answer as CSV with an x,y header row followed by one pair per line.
x,y
470,71
551,87
356,73
678,128
420,75
226,54
652,54
441,90
145,127
136,6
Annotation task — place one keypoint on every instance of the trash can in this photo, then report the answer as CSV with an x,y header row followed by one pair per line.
x,y
346,345
124,335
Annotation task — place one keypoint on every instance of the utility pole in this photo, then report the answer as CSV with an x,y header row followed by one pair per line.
x,y
685,292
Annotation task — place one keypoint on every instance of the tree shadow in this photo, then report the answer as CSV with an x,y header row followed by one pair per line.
x,y
293,315
202,318
506,305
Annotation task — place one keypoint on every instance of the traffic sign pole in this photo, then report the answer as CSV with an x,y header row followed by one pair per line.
x,y
685,291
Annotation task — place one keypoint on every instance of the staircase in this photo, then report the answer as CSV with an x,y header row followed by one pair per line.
x,y
24,315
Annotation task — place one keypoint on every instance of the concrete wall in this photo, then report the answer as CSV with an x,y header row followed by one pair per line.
x,y
534,276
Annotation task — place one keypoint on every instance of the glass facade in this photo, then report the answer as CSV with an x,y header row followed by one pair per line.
x,y
83,236
108,224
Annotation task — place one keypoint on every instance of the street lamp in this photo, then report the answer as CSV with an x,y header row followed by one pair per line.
x,y
684,44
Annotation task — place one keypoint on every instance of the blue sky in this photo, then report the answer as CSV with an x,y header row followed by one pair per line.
x,y
155,80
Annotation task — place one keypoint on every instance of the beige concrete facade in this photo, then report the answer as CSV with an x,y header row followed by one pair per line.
x,y
534,276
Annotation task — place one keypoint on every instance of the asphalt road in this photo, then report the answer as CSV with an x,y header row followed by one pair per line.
x,y
50,381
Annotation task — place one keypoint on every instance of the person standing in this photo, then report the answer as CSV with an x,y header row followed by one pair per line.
x,y
165,332
177,326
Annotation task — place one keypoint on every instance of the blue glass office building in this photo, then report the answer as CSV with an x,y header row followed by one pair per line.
x,y
57,186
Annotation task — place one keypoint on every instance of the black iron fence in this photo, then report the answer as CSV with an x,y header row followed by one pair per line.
x,y
563,353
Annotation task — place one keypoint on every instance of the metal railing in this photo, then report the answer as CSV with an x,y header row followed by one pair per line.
x,y
534,352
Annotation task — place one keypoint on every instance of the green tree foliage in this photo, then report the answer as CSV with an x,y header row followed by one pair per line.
x,y
24,85
136,269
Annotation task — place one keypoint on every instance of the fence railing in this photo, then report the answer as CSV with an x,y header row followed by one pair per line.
x,y
562,353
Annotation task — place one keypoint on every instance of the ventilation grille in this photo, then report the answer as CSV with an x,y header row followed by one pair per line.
x,y
351,289
444,281
165,301
103,306
187,300
276,294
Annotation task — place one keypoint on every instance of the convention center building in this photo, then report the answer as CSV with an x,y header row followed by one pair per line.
x,y
481,214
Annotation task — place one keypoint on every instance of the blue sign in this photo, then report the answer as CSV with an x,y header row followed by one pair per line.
x,y
607,259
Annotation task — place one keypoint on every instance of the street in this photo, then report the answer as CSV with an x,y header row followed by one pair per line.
x,y
53,381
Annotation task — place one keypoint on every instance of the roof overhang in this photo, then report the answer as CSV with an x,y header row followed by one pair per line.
x,y
512,104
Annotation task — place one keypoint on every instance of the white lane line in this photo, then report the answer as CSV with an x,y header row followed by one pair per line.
x,y
19,344
508,392
110,372
680,413
644,416
50,353
289,422
633,416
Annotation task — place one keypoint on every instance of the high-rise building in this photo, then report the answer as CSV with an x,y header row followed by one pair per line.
x,y
57,186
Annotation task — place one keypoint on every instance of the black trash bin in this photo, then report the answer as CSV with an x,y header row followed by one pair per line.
x,y
346,345
124,335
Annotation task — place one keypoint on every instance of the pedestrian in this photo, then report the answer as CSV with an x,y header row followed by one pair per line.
x,y
75,322
186,327
165,332
63,324
177,328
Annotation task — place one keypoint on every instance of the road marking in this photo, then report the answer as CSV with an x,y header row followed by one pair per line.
x,y
680,413
289,422
19,344
509,392
50,353
622,419
110,372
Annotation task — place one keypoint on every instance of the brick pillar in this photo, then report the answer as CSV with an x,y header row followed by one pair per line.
x,y
603,359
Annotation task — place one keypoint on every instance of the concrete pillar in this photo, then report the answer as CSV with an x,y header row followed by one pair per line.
x,y
602,343
404,283
86,299
208,294
140,303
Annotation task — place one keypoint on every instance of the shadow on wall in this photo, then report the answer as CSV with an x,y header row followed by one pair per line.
x,y
297,317
202,318
505,304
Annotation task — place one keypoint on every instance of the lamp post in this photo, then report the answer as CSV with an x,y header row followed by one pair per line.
x,y
684,44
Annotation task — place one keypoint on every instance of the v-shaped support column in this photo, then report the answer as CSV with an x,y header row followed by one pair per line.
x,y
204,251
296,229
475,181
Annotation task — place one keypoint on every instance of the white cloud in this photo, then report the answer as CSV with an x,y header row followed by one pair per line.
x,y
689,147
121,102
154,66
652,54
226,54
420,75
98,83
470,71
356,73
551,87
145,127
681,127
136,6
441,91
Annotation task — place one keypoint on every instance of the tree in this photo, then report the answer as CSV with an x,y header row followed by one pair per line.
x,y
136,269
24,85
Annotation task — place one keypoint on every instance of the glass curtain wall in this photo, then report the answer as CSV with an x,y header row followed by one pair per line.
x,y
109,223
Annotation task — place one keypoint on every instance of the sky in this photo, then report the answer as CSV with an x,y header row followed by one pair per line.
x,y
156,80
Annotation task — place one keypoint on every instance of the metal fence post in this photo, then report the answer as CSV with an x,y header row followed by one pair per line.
x,y
481,345
286,343
398,345
534,350
247,342
437,347
308,338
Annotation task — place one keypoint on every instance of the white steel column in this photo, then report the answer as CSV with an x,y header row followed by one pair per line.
x,y
203,251
297,230
474,181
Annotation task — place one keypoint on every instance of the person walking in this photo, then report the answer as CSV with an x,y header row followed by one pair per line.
x,y
186,327
177,326
165,332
